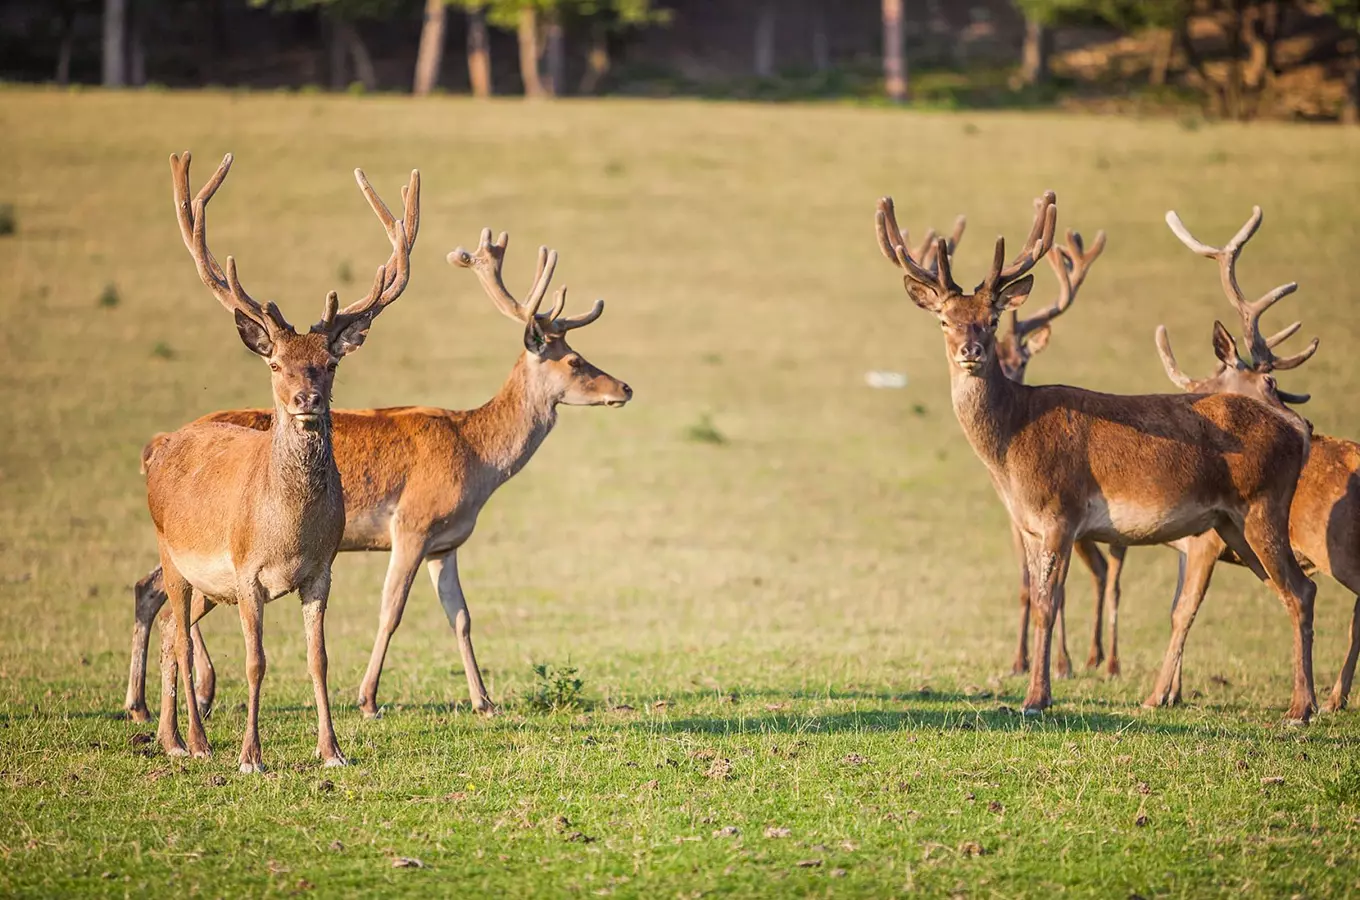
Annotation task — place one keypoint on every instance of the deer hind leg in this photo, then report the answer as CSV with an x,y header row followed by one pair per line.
x,y
178,646
1095,561
1341,691
205,676
1197,569
1021,663
314,598
1267,532
402,566
149,597
251,607
444,574
1117,552
1049,556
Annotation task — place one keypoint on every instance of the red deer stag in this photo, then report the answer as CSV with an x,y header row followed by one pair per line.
x,y
416,478
1324,521
1014,350
245,516
1070,463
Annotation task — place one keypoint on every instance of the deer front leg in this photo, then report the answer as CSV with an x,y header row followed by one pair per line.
x,y
1337,701
314,598
1112,591
1095,561
1197,569
402,566
1021,663
252,600
148,598
444,574
1049,555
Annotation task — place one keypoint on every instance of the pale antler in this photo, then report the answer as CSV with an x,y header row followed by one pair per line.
x,y
927,267
487,263
193,229
1039,242
1070,263
1262,359
392,277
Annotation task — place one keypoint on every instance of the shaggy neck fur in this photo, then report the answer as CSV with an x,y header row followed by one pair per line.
x,y
986,405
505,431
302,463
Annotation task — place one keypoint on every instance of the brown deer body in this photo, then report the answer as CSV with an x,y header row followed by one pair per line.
x,y
415,478
1324,520
1070,463
245,516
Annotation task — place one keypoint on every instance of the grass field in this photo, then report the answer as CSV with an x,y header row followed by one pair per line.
x,y
803,588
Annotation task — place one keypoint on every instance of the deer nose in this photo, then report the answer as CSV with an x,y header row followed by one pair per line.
x,y
973,352
307,401
627,391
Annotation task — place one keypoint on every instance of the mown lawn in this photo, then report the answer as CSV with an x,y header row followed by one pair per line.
x,y
790,597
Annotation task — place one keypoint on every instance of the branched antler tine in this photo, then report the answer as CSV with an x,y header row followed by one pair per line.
x,y
567,324
925,253
331,308
486,264
226,288
890,237
1081,257
396,271
1037,244
1173,371
943,269
559,303
1283,335
956,235
1298,359
1064,265
547,263
1178,228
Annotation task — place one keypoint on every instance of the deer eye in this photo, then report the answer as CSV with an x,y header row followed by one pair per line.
x,y
274,367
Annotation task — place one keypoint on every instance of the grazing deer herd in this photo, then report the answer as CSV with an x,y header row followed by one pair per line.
x,y
252,504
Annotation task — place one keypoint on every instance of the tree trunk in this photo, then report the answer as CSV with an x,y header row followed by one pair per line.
x,y
337,68
821,44
115,42
478,53
430,56
764,49
136,49
1038,48
555,51
68,39
358,54
1350,110
894,55
597,60
1163,55
528,52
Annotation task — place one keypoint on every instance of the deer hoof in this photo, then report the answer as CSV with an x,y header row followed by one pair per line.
x,y
251,768
137,714
176,752
335,762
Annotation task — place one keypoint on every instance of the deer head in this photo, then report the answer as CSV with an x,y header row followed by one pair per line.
x,y
969,320
302,365
561,373
1029,336
1232,375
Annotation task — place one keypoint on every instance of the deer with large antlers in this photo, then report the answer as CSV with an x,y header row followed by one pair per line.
x,y
1014,349
245,516
1324,522
416,478
1070,463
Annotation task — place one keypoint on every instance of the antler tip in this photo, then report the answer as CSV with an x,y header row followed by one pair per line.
x,y
459,257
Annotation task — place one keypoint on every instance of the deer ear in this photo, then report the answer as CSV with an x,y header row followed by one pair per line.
x,y
1225,348
534,338
923,296
351,337
253,335
1038,340
1013,295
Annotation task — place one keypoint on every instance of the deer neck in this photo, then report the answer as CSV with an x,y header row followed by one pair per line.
x,y
505,432
302,463
989,407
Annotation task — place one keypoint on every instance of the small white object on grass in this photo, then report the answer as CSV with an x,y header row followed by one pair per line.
x,y
881,379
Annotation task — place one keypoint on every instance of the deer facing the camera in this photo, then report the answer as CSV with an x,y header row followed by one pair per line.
x,y
245,516
1070,463
416,478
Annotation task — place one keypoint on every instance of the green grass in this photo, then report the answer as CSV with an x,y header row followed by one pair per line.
x,y
825,602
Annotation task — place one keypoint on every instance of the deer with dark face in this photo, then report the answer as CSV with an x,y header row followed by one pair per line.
x,y
1324,520
416,478
1071,464
1014,349
245,516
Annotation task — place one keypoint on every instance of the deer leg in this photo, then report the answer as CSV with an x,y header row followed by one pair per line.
x,y
1095,561
251,607
205,676
1197,568
1117,552
1342,690
1049,556
1063,667
314,598
1267,532
149,597
179,595
444,574
1021,663
402,566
